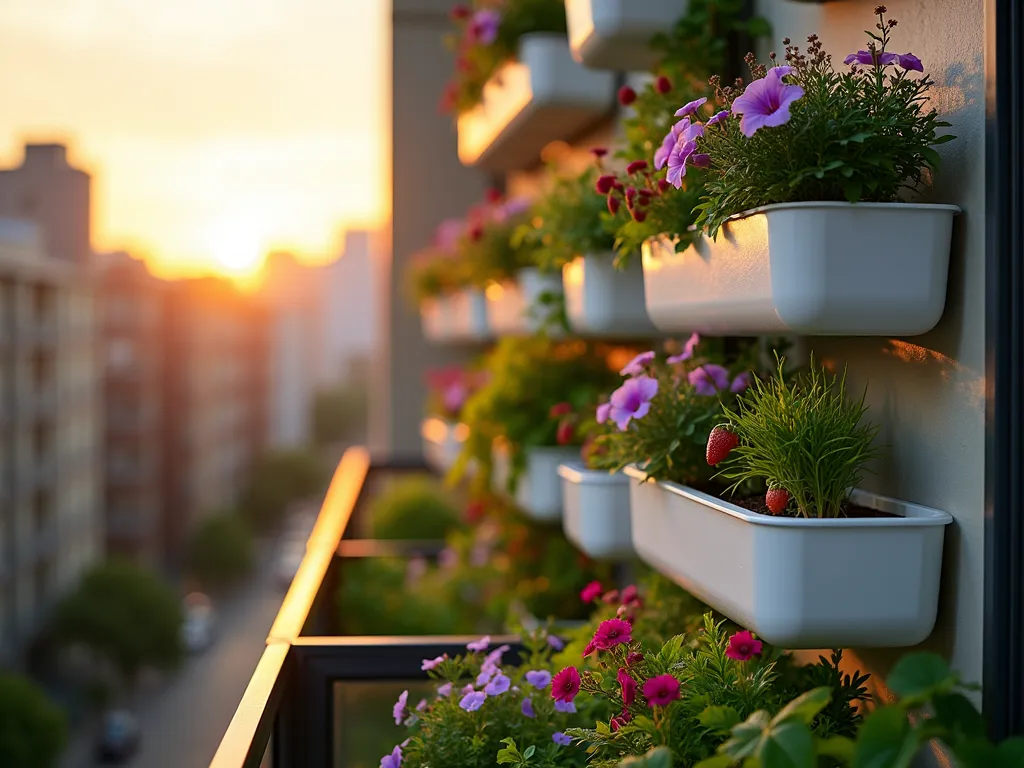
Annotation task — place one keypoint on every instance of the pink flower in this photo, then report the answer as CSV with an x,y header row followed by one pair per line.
x,y
483,29
709,379
455,397
632,400
685,146
765,103
498,685
661,691
565,685
621,720
444,690
638,364
591,592
662,153
611,597
602,412
688,349
743,646
590,648
717,118
431,663
479,645
611,633
628,685
398,710
630,594
741,382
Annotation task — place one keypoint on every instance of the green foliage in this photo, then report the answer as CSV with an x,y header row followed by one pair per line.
x,y
32,730
568,221
929,706
220,551
670,442
416,507
432,274
493,254
339,414
864,134
125,614
528,376
477,63
805,436
275,481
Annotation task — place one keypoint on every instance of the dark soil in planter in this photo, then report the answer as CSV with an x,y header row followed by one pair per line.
x,y
756,504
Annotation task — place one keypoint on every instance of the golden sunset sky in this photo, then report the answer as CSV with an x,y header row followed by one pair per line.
x,y
215,130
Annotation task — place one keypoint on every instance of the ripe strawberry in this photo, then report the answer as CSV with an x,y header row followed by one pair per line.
x,y
720,444
777,499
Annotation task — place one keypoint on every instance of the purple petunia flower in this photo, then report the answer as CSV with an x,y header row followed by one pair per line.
x,y
765,103
467,688
483,29
691,108
539,678
422,705
394,760
527,708
632,400
709,379
741,382
867,58
444,690
486,675
498,685
479,645
565,706
661,155
602,417
473,700
455,397
700,160
688,349
909,61
556,642
717,118
561,739
399,709
679,157
429,664
637,365
494,657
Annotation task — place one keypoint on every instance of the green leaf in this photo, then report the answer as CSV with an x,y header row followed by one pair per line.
x,y
857,138
719,718
931,156
717,761
510,754
837,747
852,190
957,714
804,707
530,750
659,757
885,740
747,736
920,675
1011,751
943,139
790,745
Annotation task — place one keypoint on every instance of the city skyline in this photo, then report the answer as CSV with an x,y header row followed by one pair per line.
x,y
139,95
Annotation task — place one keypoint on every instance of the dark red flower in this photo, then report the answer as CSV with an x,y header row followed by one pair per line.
x,y
663,84
565,434
605,184
621,720
492,195
560,409
476,232
613,204
626,95
475,511
634,658
663,185
636,165
628,685
639,216
459,12
599,152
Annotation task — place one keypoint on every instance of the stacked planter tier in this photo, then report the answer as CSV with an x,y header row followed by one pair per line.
x,y
538,491
458,316
514,307
442,442
595,512
616,34
798,583
865,269
545,96
603,300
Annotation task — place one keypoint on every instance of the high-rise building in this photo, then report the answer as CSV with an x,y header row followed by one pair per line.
x,y
131,313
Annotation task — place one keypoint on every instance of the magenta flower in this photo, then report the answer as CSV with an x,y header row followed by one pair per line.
x,y
432,663
444,690
527,708
630,594
611,633
394,760
679,157
743,646
628,685
483,29
556,643
688,350
448,232
591,592
602,412
691,108
638,364
422,705
565,706
709,379
765,103
909,61
717,118
741,382
565,685
473,700
399,709
661,691
499,685
455,397
634,658
539,678
632,400
479,645
867,58
561,739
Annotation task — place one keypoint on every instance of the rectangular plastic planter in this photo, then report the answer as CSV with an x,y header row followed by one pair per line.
x,y
513,307
616,34
545,96
442,442
798,583
459,316
600,299
826,269
539,491
595,512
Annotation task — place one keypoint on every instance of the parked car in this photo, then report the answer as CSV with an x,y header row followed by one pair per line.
x,y
199,628
119,737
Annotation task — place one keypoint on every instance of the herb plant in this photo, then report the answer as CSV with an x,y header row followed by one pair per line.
x,y
809,133
803,437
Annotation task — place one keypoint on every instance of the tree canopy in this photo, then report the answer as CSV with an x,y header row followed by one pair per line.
x,y
33,731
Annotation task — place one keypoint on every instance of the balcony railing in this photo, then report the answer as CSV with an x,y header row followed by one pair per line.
x,y
296,711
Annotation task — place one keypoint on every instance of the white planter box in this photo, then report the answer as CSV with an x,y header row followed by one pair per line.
x,y
442,442
595,512
539,491
839,583
513,307
601,299
869,269
460,316
616,34
545,96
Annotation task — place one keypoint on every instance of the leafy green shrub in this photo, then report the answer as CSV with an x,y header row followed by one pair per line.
x,y
220,551
32,730
339,414
414,508
275,481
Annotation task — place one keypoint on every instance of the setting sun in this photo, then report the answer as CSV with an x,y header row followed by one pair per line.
x,y
236,246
